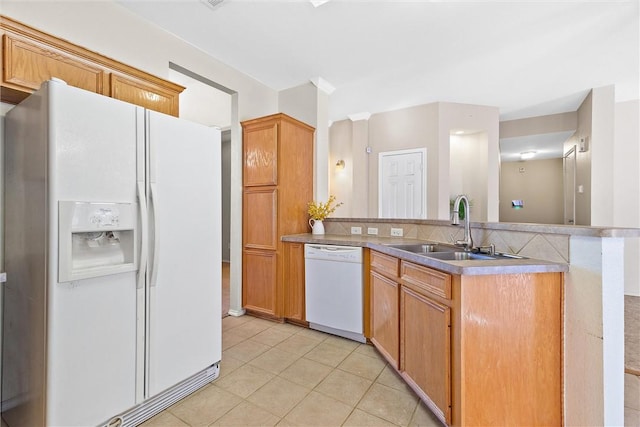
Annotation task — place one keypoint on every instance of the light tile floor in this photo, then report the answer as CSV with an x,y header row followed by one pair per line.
x,y
281,374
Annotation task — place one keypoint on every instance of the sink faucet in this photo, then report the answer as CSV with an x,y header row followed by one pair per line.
x,y
466,242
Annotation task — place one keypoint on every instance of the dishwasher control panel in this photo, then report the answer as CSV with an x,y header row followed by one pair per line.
x,y
333,253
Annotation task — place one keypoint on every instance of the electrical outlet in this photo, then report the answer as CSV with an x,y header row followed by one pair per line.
x,y
396,232
372,230
356,230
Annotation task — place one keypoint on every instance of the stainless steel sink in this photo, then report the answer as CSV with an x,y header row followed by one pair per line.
x,y
459,256
424,248
446,252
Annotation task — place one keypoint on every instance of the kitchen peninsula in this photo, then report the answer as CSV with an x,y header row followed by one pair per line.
x,y
474,339
573,264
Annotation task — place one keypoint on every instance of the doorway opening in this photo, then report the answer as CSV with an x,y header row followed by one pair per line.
x,y
211,104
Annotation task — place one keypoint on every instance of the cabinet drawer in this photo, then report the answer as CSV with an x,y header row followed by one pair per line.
x,y
384,263
427,279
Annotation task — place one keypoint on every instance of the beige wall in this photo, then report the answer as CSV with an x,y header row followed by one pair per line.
x,y
583,163
453,116
601,147
341,182
414,127
539,184
424,126
310,105
627,186
300,102
539,125
468,171
595,165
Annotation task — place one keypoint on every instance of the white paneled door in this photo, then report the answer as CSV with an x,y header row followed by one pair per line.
x,y
402,184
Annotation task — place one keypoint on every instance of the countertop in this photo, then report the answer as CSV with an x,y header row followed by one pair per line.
x,y
572,230
467,267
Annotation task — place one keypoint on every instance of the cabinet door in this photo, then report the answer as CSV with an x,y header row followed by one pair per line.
x,y
259,221
261,155
385,328
27,63
425,337
145,94
259,281
294,281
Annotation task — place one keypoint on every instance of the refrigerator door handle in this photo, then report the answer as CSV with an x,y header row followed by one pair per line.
x,y
156,240
144,221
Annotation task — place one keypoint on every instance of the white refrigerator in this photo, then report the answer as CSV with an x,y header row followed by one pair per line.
x,y
112,244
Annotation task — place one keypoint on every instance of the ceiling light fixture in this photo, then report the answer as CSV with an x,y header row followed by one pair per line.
x,y
526,155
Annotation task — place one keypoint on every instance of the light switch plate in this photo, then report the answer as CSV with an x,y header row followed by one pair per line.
x,y
372,230
396,232
356,230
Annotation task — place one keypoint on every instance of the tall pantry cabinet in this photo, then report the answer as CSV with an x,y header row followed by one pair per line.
x,y
277,185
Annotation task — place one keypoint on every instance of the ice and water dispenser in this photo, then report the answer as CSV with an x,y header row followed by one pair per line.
x,y
96,239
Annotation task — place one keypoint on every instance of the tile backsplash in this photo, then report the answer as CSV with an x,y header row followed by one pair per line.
x,y
545,246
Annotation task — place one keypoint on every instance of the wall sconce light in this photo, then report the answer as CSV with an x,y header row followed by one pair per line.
x,y
340,165
527,155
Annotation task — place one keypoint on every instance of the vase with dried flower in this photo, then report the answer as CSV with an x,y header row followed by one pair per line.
x,y
318,211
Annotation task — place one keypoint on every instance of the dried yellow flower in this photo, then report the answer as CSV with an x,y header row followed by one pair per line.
x,y
319,211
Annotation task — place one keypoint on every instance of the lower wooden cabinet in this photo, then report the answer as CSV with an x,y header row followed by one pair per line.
x,y
294,282
477,349
259,271
385,329
509,350
425,349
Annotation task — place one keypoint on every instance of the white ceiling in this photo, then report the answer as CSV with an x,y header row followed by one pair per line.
x,y
527,58
545,146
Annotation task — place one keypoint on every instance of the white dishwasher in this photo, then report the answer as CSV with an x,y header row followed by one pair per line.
x,y
334,289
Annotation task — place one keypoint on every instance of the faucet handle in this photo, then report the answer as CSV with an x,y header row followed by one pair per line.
x,y
489,250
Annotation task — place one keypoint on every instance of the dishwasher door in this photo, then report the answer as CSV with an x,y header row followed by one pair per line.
x,y
334,290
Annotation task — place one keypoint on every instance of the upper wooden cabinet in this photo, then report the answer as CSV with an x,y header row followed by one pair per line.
x,y
30,57
261,155
152,95
27,63
277,185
